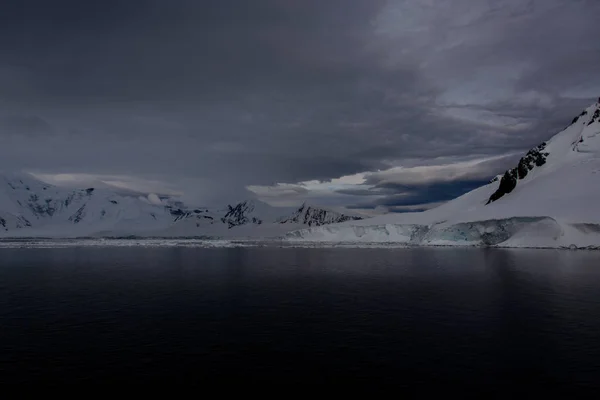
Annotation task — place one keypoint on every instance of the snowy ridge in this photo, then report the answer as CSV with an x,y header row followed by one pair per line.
x,y
550,199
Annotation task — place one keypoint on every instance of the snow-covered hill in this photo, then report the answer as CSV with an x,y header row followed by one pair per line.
x,y
29,208
550,199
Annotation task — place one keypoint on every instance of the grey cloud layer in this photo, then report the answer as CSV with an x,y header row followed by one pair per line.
x,y
230,93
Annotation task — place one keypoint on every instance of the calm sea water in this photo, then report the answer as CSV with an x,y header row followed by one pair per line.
x,y
406,316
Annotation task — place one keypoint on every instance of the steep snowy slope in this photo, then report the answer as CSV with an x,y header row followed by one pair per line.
x,y
550,199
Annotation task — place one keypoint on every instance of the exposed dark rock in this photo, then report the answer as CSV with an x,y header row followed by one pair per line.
x,y
317,217
178,213
507,185
89,191
22,221
40,210
595,117
237,215
535,157
3,222
522,169
114,202
69,199
78,216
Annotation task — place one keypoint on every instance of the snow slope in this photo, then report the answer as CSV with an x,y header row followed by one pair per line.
x,y
551,199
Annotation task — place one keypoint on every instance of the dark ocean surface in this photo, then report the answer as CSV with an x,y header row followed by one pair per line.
x,y
413,317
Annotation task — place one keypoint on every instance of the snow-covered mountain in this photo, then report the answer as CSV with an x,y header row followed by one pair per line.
x,y
550,199
30,207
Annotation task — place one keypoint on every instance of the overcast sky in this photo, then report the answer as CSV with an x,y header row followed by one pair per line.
x,y
393,104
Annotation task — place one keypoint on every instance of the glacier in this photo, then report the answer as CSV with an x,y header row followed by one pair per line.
x,y
551,199
526,232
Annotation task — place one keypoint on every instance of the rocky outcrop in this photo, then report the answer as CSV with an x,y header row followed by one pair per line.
x,y
595,117
78,216
178,214
239,215
312,216
535,157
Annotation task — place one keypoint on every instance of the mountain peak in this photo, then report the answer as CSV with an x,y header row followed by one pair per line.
x,y
582,136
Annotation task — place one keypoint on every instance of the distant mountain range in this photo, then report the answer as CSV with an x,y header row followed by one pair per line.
x,y
30,207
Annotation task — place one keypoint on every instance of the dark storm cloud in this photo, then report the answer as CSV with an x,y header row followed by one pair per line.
x,y
25,125
221,94
403,188
409,198
423,194
155,50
